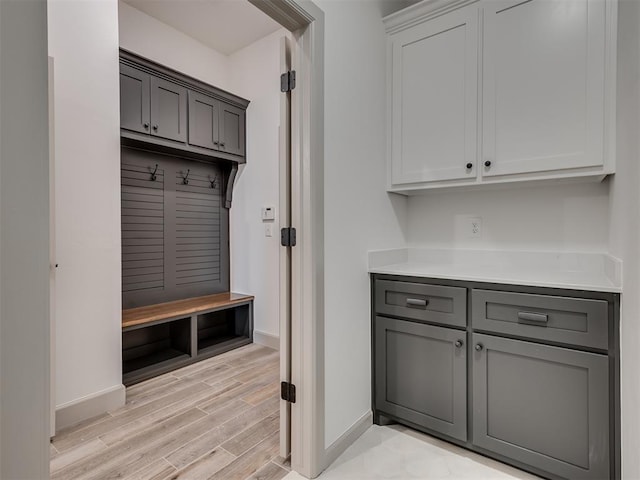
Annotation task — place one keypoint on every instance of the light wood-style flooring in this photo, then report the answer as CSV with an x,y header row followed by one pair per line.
x,y
217,419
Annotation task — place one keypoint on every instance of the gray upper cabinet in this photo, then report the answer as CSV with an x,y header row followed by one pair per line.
x,y
232,129
421,375
544,406
134,99
171,113
204,114
168,110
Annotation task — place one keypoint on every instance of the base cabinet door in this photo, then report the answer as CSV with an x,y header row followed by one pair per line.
x,y
421,375
544,406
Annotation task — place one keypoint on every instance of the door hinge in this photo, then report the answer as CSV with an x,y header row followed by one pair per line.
x,y
288,81
288,237
288,392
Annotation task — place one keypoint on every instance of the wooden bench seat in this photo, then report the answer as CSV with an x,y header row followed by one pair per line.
x,y
181,308
159,338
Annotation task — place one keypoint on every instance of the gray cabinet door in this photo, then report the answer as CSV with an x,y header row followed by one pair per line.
x,y
168,110
421,375
134,99
544,406
204,113
232,129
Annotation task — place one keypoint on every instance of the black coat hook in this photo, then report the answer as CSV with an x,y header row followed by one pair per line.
x,y
153,175
185,179
213,182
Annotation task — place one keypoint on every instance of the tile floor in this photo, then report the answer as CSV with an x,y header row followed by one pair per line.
x,y
217,419
399,453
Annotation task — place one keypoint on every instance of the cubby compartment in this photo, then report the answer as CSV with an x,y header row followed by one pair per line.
x,y
223,330
154,349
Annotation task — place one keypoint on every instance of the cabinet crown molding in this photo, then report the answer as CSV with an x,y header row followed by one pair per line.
x,y
421,12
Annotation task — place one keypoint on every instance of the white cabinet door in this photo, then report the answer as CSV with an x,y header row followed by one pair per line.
x,y
434,99
543,85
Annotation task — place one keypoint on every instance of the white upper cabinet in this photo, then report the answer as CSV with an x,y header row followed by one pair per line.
x,y
497,91
543,85
435,99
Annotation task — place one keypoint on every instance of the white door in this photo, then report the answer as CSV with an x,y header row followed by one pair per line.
x,y
543,85
434,99
285,258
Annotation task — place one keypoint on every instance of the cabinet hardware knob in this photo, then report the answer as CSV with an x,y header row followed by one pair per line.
x,y
479,347
459,343
222,144
487,163
146,125
216,143
155,127
469,166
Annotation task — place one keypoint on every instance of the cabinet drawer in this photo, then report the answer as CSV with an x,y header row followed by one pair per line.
x,y
418,301
576,321
544,406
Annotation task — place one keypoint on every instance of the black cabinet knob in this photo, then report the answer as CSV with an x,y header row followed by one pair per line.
x,y
487,163
222,144
469,166
216,143
459,343
155,128
479,347
146,126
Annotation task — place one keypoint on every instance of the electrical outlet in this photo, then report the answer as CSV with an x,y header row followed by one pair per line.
x,y
474,227
268,230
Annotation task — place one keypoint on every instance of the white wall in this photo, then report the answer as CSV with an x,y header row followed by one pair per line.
x,y
252,73
625,225
24,242
359,214
552,218
255,74
83,41
157,41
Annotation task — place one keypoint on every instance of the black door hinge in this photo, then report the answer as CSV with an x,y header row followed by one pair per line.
x,y
288,81
288,237
288,392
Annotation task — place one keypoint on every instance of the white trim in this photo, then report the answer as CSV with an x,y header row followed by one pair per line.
x,y
266,339
76,411
421,12
345,440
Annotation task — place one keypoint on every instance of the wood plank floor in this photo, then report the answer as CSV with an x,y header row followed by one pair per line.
x,y
217,419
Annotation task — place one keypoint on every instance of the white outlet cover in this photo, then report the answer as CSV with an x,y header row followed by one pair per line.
x,y
474,227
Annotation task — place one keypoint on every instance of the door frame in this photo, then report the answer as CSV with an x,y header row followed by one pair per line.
x,y
305,21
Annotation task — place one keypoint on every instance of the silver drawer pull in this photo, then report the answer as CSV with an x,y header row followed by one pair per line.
x,y
417,302
537,318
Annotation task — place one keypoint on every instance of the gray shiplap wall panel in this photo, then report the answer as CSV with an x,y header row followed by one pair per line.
x,y
174,235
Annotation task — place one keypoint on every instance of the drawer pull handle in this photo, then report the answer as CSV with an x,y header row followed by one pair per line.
x,y
417,303
536,318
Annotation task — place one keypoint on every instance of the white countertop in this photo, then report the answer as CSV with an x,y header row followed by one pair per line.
x,y
575,271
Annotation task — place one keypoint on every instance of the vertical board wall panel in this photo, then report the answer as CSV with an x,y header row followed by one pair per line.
x,y
174,229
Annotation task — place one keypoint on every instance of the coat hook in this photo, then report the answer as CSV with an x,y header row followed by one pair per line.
x,y
185,179
153,175
213,182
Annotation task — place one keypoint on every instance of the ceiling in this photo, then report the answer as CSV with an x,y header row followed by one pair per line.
x,y
224,25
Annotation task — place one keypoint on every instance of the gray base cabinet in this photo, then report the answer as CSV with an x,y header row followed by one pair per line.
x,y
421,375
544,406
527,375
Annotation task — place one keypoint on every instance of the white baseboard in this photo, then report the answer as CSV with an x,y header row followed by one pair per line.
x,y
266,339
345,440
90,406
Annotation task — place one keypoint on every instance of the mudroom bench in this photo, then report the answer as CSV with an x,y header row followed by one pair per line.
x,y
159,338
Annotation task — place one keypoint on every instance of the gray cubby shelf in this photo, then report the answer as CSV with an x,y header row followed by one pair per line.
x,y
159,338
